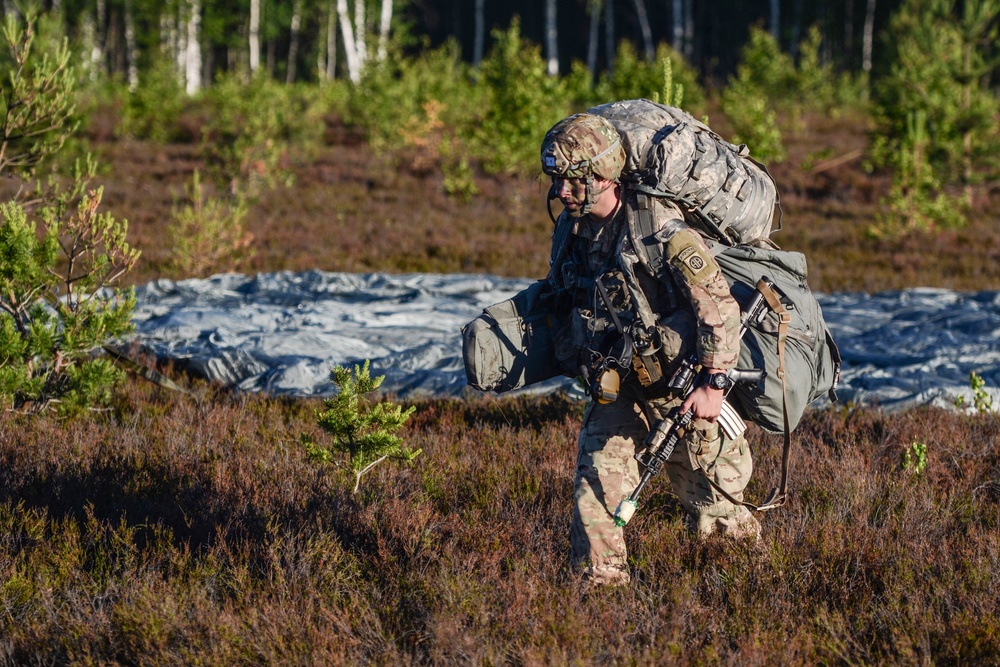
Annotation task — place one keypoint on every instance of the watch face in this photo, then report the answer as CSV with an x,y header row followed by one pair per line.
x,y
718,381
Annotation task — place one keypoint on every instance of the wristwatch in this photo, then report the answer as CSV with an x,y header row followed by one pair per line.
x,y
719,381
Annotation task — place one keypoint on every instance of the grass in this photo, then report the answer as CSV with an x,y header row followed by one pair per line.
x,y
175,530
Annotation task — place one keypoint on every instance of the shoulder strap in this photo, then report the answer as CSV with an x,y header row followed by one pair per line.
x,y
560,239
641,231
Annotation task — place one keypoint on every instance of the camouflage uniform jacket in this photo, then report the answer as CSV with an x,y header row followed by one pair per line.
x,y
697,285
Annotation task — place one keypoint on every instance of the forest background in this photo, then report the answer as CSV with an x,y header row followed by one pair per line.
x,y
145,525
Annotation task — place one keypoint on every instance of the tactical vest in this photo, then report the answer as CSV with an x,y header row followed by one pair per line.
x,y
612,319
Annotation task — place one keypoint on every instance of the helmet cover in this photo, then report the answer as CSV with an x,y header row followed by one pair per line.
x,y
583,145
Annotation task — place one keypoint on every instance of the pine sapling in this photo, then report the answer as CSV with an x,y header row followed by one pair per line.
x,y
60,257
365,431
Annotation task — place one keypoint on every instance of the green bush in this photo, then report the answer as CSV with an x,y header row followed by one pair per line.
x,y
635,77
769,87
248,129
917,202
944,57
754,120
57,308
208,234
365,432
522,103
153,110
398,90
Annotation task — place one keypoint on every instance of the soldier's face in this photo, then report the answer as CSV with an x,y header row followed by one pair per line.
x,y
572,192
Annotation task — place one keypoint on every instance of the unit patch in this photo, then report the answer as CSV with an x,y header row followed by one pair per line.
x,y
692,262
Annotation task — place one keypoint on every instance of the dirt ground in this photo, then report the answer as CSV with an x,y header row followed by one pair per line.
x,y
353,210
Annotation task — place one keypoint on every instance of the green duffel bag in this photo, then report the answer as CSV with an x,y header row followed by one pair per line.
x,y
811,358
511,345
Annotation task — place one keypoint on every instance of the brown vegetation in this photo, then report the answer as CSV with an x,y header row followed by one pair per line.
x,y
174,531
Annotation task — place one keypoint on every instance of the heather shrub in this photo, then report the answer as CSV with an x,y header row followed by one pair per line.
x,y
172,530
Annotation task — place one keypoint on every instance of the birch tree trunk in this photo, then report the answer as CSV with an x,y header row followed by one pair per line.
x,y
131,48
775,19
293,46
551,38
677,40
595,26
350,49
647,33
178,46
360,31
867,37
479,38
254,36
326,65
385,24
192,58
609,33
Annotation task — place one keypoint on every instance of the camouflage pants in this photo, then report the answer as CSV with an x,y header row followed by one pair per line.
x,y
607,472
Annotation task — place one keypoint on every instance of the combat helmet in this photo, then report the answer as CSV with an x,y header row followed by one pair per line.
x,y
582,146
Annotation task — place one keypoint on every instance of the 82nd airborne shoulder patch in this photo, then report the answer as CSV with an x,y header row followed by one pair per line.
x,y
693,263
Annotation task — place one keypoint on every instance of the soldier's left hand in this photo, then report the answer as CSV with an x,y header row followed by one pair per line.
x,y
705,401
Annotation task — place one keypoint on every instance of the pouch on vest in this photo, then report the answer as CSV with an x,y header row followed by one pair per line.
x,y
511,345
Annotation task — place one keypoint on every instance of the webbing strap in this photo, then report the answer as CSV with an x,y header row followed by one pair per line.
x,y
778,495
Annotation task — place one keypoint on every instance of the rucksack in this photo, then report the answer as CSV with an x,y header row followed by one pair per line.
x,y
732,200
668,153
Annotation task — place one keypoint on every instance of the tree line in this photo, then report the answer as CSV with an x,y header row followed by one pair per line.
x,y
310,40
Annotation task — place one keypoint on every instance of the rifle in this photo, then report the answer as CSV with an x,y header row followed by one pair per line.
x,y
665,434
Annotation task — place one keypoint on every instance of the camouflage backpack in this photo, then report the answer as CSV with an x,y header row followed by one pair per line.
x,y
668,153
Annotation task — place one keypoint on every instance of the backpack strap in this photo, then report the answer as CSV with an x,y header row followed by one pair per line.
x,y
779,495
560,240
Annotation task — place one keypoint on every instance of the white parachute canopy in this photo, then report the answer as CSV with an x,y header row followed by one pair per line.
x,y
281,333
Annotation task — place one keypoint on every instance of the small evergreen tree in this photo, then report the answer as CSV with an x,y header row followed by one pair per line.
x,y
945,56
634,77
764,74
523,102
59,257
364,431
209,233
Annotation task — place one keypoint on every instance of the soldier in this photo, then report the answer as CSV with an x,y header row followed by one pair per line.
x,y
595,266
